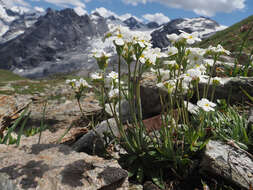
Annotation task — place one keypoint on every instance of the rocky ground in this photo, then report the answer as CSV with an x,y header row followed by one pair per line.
x,y
61,163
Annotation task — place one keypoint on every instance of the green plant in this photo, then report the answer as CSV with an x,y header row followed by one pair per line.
x,y
184,131
8,139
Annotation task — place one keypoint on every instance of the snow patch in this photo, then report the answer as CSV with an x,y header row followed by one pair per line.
x,y
3,28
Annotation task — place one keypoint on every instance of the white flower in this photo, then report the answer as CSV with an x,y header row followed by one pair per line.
x,y
100,53
169,85
218,49
71,82
112,75
206,105
194,73
119,41
209,62
171,63
142,40
173,37
172,50
114,93
165,74
195,55
150,55
217,81
96,76
201,68
190,38
68,81
82,83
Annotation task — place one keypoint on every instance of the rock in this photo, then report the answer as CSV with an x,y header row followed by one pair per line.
x,y
135,187
93,140
48,166
150,96
229,163
204,26
232,89
125,110
148,185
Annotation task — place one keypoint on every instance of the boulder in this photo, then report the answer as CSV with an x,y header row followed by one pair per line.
x,y
125,110
150,96
231,89
49,166
228,162
93,141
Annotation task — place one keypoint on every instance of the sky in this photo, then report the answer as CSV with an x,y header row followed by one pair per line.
x,y
225,12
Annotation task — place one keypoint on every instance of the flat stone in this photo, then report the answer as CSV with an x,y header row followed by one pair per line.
x,y
228,162
49,166
231,90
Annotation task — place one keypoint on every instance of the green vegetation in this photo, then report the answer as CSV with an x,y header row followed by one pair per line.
x,y
6,76
232,37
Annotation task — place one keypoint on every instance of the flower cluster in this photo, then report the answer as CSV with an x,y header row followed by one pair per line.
x,y
78,84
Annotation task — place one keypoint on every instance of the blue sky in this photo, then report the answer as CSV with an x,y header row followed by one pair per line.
x,y
225,12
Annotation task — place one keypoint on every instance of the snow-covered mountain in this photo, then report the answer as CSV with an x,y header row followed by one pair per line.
x,y
37,45
15,20
204,26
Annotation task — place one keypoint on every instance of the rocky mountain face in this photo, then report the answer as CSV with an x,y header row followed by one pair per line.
x,y
204,26
33,44
14,21
52,43
132,23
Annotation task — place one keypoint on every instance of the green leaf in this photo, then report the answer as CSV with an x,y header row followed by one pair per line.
x,y
140,174
22,128
159,182
12,128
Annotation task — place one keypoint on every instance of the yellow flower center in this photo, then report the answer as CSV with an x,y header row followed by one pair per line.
x,y
119,36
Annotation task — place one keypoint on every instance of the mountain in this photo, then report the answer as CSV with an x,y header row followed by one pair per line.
x,y
232,37
14,21
56,42
133,23
60,41
152,25
204,26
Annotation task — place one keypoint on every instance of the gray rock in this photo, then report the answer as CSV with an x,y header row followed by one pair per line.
x,y
160,40
228,162
93,141
150,96
125,110
231,90
49,166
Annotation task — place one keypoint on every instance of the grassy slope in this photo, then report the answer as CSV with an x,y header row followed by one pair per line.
x,y
6,76
232,38
21,85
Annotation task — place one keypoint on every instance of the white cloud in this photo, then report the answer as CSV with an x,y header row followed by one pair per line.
x,y
39,9
80,11
160,18
128,15
104,12
12,3
201,7
66,3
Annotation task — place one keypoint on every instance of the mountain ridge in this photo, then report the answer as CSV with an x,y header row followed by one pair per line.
x,y
61,41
